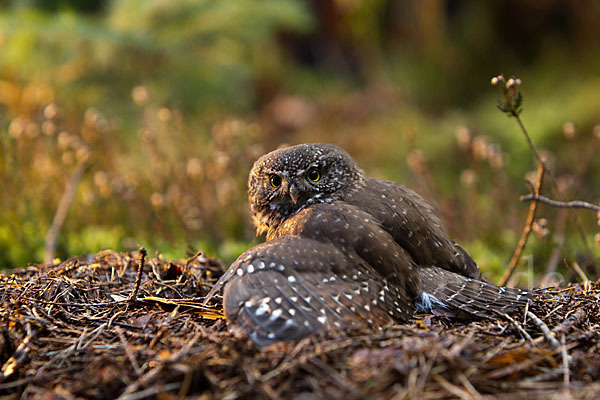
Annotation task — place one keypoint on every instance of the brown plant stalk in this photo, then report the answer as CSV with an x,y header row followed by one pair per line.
x,y
514,261
61,211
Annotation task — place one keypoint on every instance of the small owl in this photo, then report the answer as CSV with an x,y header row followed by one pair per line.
x,y
345,251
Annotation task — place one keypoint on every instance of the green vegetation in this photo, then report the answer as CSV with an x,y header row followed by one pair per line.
x,y
167,104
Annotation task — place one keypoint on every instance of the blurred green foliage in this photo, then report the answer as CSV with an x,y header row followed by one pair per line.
x,y
169,103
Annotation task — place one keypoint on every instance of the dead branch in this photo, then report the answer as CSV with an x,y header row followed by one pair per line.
x,y
521,330
565,361
545,330
562,204
514,261
19,356
573,320
138,279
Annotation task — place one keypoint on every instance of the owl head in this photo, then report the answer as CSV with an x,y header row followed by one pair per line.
x,y
285,181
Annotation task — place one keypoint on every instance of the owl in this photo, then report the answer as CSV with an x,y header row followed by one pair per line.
x,y
345,251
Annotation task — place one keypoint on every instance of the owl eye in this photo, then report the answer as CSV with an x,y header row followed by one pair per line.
x,y
313,174
275,180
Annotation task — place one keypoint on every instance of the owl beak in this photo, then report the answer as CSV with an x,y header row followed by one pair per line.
x,y
294,193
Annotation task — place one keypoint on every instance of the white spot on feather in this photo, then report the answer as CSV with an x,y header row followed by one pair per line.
x,y
275,314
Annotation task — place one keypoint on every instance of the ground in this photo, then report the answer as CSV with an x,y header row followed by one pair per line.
x,y
79,329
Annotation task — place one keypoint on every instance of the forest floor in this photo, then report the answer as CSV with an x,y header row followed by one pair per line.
x,y
80,329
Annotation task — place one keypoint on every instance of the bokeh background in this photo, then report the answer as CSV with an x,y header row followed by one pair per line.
x,y
164,105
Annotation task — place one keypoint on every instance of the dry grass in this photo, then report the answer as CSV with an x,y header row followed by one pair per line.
x,y
73,331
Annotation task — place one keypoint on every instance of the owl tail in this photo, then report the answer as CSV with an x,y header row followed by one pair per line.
x,y
447,290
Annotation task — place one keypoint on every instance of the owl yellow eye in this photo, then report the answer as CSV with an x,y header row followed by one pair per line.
x,y
275,180
313,174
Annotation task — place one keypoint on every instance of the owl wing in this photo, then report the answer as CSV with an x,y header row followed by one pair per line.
x,y
360,234
415,226
293,286
445,289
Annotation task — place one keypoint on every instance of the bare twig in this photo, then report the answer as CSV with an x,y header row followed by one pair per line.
x,y
565,361
19,356
128,351
138,279
150,376
514,261
61,212
582,275
450,388
518,326
573,320
532,147
545,330
469,386
563,204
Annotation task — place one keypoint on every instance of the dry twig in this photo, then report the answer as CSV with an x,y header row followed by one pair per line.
x,y
562,204
526,229
545,330
138,280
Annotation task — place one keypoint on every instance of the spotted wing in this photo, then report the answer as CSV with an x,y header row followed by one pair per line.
x,y
361,235
445,289
293,287
360,238
414,225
